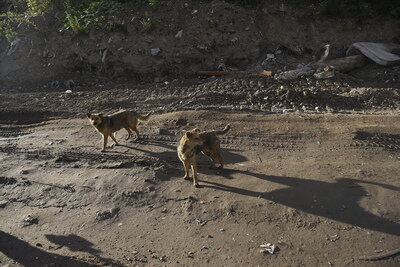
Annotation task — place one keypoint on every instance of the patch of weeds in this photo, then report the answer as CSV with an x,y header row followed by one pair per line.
x,y
147,22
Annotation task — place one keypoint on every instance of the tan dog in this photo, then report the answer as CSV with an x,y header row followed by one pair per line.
x,y
189,147
193,142
107,125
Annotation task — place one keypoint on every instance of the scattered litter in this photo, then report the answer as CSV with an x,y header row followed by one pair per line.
x,y
294,74
190,254
325,73
268,247
381,53
179,34
333,238
100,216
68,91
200,222
266,73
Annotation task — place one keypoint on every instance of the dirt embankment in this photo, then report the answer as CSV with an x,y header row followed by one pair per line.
x,y
185,37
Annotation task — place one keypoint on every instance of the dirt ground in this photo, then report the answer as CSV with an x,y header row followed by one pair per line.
x,y
312,166
321,186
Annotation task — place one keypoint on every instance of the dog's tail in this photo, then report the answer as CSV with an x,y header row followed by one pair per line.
x,y
224,131
144,118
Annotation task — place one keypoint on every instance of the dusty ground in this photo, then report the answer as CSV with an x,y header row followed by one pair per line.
x,y
323,187
311,166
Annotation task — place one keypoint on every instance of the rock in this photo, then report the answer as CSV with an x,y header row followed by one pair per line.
x,y
29,220
233,40
3,203
155,51
164,210
100,216
270,56
179,34
24,172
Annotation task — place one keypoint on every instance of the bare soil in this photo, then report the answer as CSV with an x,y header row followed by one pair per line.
x,y
311,166
321,186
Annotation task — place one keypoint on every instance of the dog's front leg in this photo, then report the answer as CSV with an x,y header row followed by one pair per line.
x,y
186,165
105,137
194,171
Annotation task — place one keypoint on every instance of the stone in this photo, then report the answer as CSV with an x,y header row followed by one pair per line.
x,y
155,51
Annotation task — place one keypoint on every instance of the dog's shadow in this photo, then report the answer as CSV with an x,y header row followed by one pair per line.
x,y
337,201
231,156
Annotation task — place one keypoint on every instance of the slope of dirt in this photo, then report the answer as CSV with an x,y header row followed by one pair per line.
x,y
211,33
323,188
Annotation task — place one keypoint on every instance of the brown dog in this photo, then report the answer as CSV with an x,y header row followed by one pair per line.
x,y
193,142
211,144
106,125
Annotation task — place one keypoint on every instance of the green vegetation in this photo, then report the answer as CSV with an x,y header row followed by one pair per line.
x,y
81,16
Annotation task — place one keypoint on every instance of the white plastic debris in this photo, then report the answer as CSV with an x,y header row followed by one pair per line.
x,y
268,247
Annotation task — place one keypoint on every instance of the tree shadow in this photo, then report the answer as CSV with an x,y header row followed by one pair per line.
x,y
77,243
30,256
337,201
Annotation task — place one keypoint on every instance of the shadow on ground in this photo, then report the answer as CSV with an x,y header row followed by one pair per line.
x,y
27,255
337,201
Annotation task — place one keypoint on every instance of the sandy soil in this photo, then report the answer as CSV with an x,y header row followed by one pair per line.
x,y
323,188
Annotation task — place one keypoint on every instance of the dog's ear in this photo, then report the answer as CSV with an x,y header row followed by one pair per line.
x,y
189,134
88,115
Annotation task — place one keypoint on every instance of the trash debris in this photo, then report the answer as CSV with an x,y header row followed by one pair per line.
x,y
381,53
179,34
190,254
265,73
268,247
325,73
100,216
322,53
68,91
200,222
294,74
333,238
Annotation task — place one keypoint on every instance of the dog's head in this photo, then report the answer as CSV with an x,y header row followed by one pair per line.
x,y
95,119
192,139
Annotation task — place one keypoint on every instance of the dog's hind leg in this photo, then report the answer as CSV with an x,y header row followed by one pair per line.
x,y
129,132
113,138
137,133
